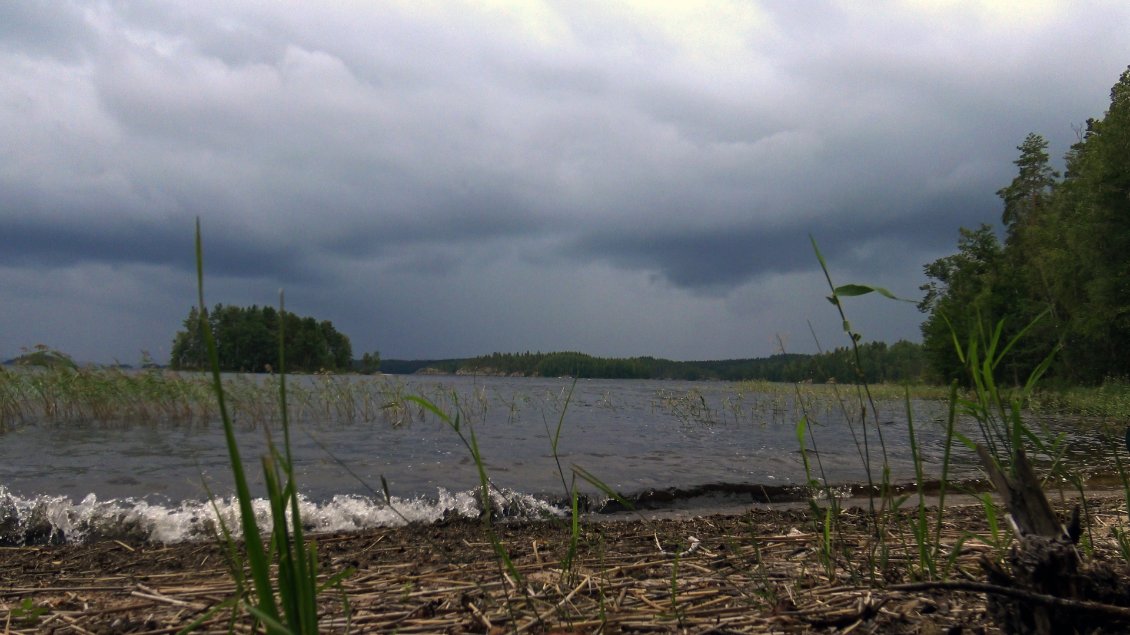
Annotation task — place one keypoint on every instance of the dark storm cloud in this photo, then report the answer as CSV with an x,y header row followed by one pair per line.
x,y
25,243
715,261
581,160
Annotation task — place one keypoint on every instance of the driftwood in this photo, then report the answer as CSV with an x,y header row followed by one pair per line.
x,y
1044,562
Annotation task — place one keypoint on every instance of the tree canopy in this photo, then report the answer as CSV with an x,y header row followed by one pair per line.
x,y
1063,271
247,340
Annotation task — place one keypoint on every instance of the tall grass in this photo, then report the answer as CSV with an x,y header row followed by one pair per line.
x,y
998,413
288,602
63,394
880,496
110,396
1106,403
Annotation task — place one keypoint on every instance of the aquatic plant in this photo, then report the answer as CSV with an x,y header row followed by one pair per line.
x,y
287,604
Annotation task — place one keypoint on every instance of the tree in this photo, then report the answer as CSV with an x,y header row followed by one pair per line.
x,y
1099,234
247,341
371,363
1030,191
188,345
1066,256
959,299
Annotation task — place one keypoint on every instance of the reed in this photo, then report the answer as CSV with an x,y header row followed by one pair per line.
x,y
1108,403
864,402
1121,535
997,412
571,492
288,602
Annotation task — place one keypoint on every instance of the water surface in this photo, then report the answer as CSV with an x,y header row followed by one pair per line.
x,y
659,443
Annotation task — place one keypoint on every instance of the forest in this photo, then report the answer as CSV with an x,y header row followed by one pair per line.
x,y
1061,275
247,341
899,362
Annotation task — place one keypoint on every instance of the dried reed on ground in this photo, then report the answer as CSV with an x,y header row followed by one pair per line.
x,y
754,573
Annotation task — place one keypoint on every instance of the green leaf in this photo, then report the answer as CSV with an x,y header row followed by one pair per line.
x,y
850,290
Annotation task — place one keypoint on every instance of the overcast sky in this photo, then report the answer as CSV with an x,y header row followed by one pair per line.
x,y
448,179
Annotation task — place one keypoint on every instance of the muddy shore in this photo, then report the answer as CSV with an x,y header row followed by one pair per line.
x,y
759,571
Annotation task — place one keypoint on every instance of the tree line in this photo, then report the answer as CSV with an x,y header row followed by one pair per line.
x,y
878,362
247,340
1061,275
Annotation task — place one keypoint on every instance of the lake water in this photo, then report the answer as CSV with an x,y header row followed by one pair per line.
x,y
660,444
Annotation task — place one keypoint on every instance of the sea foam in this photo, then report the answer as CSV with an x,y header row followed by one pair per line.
x,y
46,519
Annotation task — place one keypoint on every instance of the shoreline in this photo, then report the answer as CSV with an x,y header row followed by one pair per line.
x,y
762,570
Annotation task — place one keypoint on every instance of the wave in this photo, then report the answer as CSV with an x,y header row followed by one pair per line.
x,y
46,519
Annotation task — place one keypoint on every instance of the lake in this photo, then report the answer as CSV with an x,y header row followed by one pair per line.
x,y
659,444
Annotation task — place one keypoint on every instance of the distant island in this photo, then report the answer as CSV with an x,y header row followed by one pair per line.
x,y
878,362
902,361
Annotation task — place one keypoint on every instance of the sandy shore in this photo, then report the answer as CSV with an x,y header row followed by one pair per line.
x,y
759,571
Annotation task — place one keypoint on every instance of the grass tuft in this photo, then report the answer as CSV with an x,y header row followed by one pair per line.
x,y
287,603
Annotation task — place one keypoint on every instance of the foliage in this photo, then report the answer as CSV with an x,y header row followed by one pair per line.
x,y
246,341
959,297
45,357
28,612
370,363
1029,193
1065,255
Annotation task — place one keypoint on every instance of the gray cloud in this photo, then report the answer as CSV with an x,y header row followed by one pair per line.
x,y
408,169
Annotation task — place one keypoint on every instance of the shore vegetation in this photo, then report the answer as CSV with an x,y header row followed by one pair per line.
x,y
1063,259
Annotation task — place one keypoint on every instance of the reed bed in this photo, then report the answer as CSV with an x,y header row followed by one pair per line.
x,y
1109,402
112,396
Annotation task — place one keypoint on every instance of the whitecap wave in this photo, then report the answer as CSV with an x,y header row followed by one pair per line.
x,y
48,519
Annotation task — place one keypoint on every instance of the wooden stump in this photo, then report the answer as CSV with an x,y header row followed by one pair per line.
x,y
1044,566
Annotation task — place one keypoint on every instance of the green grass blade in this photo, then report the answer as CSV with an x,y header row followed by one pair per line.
x,y
271,621
300,563
802,440
600,485
943,484
286,586
257,558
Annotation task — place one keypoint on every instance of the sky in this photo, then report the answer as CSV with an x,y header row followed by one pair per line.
x,y
448,179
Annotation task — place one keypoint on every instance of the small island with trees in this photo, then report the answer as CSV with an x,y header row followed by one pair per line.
x,y
247,340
